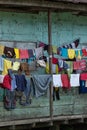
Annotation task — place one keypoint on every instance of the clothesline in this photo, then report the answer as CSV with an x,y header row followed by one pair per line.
x,y
19,53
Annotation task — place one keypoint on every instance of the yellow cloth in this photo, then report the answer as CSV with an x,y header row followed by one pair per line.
x,y
17,53
16,66
79,56
47,69
1,49
54,49
7,65
71,53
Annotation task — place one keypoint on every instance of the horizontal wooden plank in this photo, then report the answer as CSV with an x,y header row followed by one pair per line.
x,y
73,1
43,5
40,120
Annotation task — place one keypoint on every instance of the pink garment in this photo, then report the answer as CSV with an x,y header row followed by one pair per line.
x,y
82,64
23,53
76,65
79,65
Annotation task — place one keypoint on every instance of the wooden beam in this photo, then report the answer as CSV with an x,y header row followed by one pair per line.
x,y
73,1
58,120
40,4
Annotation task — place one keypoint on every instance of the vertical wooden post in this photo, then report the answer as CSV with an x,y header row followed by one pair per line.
x,y
50,61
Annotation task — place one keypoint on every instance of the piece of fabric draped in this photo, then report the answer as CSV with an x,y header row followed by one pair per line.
x,y
9,52
57,82
20,82
7,65
7,82
17,56
39,52
41,83
74,80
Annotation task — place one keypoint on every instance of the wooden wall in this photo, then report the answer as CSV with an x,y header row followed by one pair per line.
x,y
33,27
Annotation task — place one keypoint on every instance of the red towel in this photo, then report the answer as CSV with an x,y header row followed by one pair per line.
x,y
83,76
84,51
7,82
65,81
55,60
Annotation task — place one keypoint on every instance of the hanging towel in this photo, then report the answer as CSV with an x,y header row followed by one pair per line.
x,y
54,60
64,53
39,52
7,82
78,54
9,52
84,52
7,65
83,65
75,80
76,65
54,49
16,65
16,53
57,80
30,51
71,53
83,76
41,83
20,82
79,65
23,53
82,88
65,81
